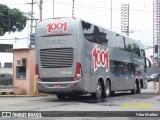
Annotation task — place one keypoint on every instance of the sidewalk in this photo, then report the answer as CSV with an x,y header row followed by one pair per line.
x,y
8,91
10,94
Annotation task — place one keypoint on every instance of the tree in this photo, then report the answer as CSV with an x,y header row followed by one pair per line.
x,y
17,20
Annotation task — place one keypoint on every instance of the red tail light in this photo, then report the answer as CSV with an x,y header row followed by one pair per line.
x,y
78,74
37,73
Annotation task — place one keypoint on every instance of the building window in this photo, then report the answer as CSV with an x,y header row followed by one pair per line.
x,y
21,72
8,65
6,48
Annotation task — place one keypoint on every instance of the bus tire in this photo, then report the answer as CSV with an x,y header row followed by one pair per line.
x,y
61,96
98,94
134,90
138,88
112,92
107,89
73,96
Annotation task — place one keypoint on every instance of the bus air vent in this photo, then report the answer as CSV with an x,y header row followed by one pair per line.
x,y
57,57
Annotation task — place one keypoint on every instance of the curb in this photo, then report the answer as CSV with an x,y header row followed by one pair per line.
x,y
11,94
6,93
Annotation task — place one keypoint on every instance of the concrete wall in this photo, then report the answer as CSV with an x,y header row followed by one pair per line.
x,y
6,57
6,70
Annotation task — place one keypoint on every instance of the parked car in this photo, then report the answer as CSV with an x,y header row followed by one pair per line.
x,y
6,79
154,77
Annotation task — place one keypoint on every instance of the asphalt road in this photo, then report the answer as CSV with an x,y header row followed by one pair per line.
x,y
148,100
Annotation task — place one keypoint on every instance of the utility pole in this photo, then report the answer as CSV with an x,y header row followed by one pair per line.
x,y
111,14
40,7
53,8
31,17
31,14
73,9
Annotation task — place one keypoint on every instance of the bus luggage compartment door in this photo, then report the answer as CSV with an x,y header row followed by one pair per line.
x,y
87,74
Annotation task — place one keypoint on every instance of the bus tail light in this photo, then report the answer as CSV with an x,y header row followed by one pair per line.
x,y
37,73
78,74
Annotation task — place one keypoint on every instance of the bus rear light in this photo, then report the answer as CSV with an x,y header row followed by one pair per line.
x,y
37,73
57,18
74,85
78,73
42,86
74,18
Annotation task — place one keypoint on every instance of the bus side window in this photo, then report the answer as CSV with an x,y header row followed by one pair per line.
x,y
94,34
136,49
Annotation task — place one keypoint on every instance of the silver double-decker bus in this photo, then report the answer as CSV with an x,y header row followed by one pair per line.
x,y
75,57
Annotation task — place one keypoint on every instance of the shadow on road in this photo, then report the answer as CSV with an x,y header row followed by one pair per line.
x,y
120,96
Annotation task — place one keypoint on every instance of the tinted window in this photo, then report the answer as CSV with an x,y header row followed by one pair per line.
x,y
2,75
101,36
8,65
121,68
6,48
21,72
132,47
93,33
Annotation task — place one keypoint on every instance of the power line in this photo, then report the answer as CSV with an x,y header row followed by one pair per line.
x,y
100,7
17,4
15,38
137,30
86,6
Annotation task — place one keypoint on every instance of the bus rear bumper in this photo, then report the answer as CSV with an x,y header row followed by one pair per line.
x,y
61,87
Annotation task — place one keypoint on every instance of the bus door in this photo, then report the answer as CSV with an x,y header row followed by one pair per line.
x,y
93,76
128,77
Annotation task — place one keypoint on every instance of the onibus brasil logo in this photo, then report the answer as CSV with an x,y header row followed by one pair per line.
x,y
101,58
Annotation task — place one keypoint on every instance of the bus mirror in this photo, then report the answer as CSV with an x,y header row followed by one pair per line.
x,y
149,62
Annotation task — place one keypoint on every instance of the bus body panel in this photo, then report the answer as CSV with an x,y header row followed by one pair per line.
x,y
63,59
64,47
57,56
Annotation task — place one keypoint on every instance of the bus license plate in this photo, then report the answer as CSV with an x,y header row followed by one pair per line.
x,y
56,86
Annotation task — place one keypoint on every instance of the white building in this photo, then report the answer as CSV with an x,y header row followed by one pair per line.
x,y
6,52
6,55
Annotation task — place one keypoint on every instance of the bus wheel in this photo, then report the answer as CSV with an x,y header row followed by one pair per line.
x,y
73,96
61,96
138,88
97,95
112,92
106,89
134,90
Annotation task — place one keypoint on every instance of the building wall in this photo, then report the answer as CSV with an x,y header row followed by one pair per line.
x,y
6,57
6,70
24,86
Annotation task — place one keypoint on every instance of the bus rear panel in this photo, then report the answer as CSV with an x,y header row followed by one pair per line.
x,y
58,67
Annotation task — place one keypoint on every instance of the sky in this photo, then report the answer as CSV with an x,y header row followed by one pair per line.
x,y
94,11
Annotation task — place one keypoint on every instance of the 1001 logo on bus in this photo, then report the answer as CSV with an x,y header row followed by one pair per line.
x,y
100,58
57,26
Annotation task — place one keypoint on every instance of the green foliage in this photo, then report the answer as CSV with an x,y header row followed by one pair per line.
x,y
17,20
